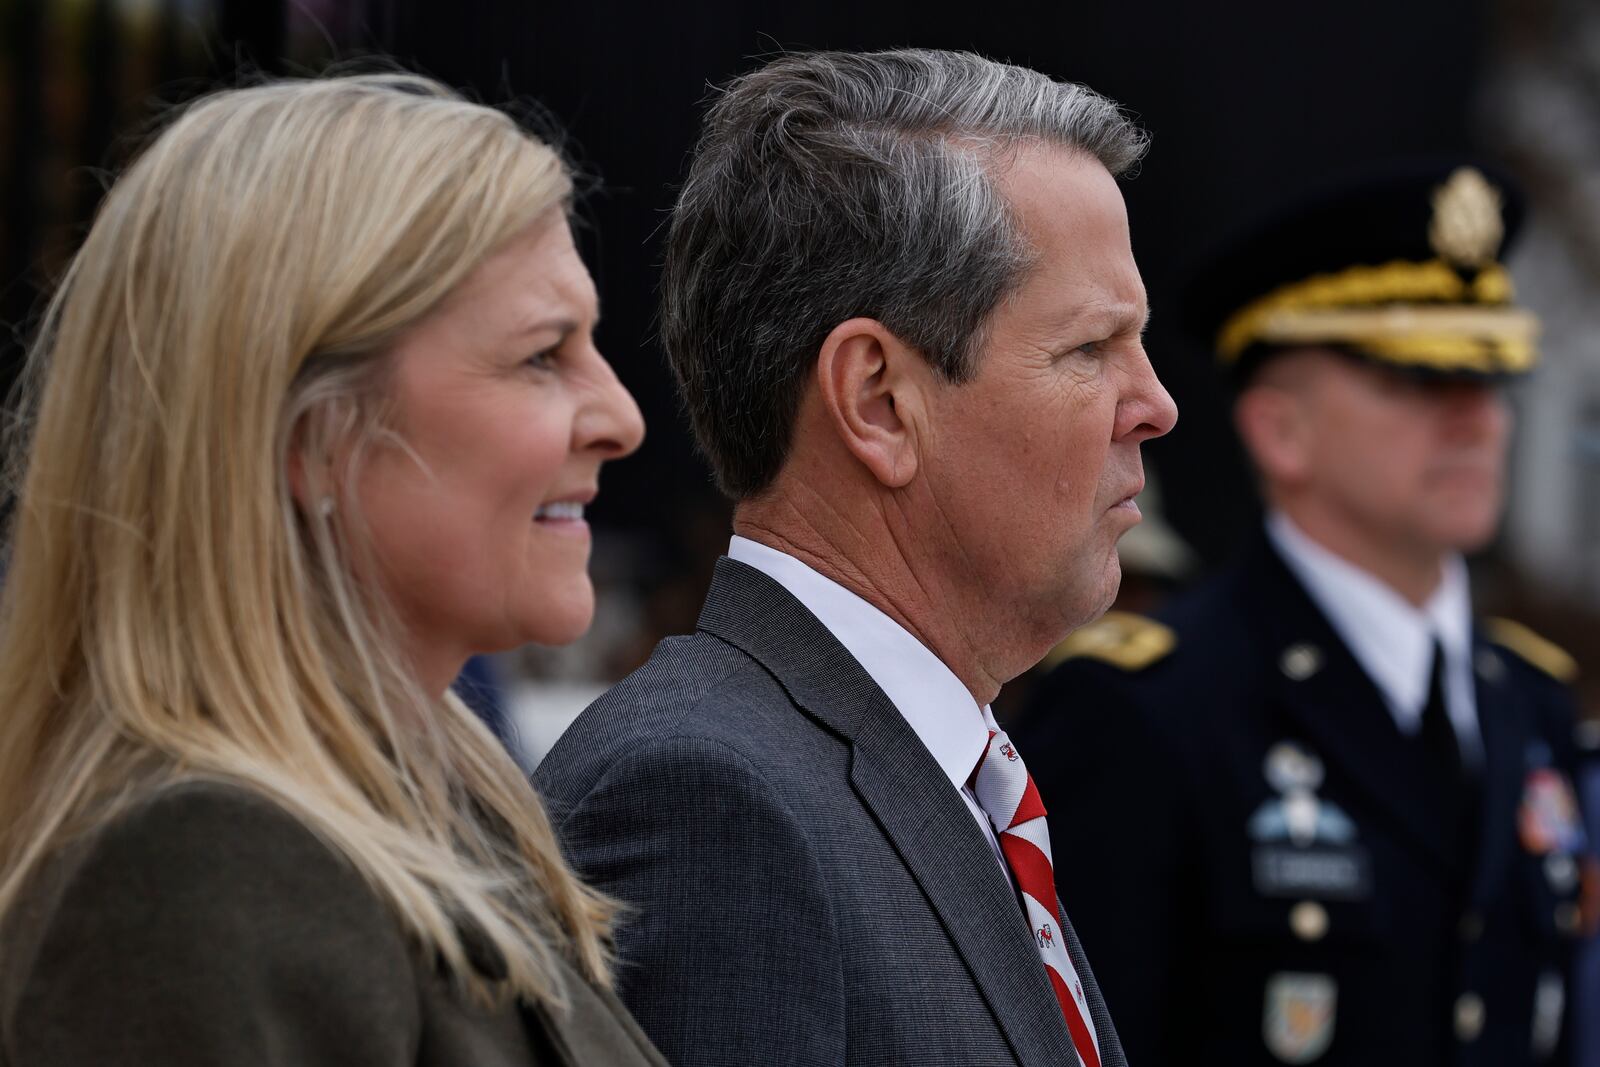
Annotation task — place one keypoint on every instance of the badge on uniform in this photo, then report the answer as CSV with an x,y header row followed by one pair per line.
x,y
1297,1017
1548,820
1305,845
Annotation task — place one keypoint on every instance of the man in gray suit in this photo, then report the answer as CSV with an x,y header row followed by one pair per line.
x,y
905,318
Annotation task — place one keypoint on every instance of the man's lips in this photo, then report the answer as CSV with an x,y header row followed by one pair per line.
x,y
1127,499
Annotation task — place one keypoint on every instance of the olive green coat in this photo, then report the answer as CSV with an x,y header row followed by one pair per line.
x,y
208,927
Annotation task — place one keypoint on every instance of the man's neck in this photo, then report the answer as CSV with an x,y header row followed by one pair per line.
x,y
1414,573
865,559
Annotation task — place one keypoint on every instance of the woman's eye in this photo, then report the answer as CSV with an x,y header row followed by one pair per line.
x,y
541,360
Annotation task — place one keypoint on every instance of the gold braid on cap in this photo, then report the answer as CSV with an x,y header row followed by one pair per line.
x,y
1415,314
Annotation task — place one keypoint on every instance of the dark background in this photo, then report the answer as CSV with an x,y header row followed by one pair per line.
x,y
1245,101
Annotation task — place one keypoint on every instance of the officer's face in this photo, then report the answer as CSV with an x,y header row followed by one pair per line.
x,y
1418,464
1033,464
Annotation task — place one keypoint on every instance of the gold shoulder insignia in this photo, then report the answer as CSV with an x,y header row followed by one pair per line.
x,y
1119,638
1546,655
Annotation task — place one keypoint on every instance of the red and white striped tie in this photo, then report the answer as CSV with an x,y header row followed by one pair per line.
x,y
1006,792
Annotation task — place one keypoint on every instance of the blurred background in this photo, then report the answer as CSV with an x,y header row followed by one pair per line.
x,y
1245,100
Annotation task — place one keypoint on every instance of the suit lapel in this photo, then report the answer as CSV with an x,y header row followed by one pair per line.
x,y
935,836
1337,706
899,782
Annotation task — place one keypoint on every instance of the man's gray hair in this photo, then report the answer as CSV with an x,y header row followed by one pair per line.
x,y
831,185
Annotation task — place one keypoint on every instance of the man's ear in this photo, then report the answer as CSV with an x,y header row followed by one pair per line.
x,y
1272,423
870,384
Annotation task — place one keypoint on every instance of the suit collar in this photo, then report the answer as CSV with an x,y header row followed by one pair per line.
x,y
927,693
761,618
898,780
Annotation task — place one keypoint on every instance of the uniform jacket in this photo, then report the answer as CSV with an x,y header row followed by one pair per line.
x,y
207,927
1236,923
807,887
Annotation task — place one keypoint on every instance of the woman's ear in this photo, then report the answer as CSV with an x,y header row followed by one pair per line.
x,y
297,475
870,384
309,463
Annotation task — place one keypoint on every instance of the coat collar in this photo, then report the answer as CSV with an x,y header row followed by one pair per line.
x,y
1321,688
1343,714
899,781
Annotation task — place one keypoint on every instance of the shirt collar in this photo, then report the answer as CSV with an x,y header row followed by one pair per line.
x,y
927,693
1389,637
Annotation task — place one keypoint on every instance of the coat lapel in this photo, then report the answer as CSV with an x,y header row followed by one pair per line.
x,y
1504,728
901,784
1337,707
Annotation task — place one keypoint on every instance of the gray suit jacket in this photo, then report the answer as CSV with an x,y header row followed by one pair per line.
x,y
809,889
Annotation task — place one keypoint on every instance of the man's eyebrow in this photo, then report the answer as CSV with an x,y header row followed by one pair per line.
x,y
1130,320
1115,319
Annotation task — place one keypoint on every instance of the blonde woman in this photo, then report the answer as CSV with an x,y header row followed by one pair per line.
x,y
314,417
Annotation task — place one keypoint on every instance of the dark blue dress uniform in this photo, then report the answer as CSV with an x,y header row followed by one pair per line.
x,y
1255,861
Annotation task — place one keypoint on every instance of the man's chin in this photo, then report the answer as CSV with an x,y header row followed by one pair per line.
x,y
1465,533
1086,607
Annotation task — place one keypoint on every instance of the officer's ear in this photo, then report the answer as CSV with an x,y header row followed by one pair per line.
x,y
1271,419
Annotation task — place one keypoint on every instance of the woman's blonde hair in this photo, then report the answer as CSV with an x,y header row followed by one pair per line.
x,y
170,612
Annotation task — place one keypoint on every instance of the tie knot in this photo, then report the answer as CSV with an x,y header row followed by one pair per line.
x,y
1001,783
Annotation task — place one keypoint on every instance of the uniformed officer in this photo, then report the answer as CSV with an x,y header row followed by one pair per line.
x,y
1319,812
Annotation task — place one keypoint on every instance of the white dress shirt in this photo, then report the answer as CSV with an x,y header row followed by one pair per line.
x,y
927,694
1390,638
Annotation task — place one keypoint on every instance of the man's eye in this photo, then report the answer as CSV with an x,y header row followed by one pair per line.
x,y
1089,348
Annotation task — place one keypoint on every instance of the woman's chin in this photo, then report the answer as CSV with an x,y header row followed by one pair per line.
x,y
558,617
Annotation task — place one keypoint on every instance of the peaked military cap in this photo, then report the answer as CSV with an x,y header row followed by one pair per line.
x,y
1400,264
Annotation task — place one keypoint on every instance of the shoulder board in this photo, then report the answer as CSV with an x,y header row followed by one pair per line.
x,y
1546,655
1119,638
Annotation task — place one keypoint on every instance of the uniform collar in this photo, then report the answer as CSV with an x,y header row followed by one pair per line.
x,y
1388,636
933,701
